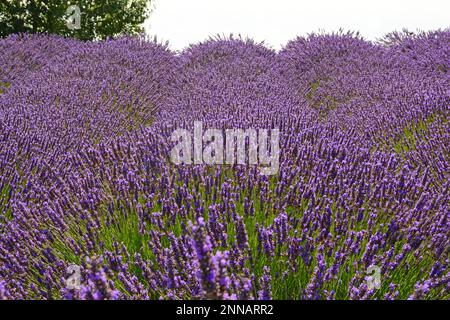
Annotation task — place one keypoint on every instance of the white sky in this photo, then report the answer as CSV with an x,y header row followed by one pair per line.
x,y
184,22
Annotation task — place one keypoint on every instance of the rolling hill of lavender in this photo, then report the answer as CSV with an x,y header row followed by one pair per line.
x,y
362,188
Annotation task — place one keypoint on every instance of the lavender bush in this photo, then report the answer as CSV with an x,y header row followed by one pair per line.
x,y
363,184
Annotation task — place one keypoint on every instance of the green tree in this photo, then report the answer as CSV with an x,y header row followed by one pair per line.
x,y
99,19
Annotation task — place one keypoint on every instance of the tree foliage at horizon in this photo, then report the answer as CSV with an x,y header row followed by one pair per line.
x,y
100,19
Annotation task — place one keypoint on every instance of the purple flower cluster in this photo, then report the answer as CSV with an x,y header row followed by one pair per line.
x,y
86,177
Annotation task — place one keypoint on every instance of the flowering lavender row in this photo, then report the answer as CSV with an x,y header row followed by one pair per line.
x,y
359,208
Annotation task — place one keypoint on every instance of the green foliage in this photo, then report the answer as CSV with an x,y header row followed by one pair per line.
x,y
4,86
5,211
411,134
99,18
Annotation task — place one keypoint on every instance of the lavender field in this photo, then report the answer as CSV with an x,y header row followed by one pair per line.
x,y
359,208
